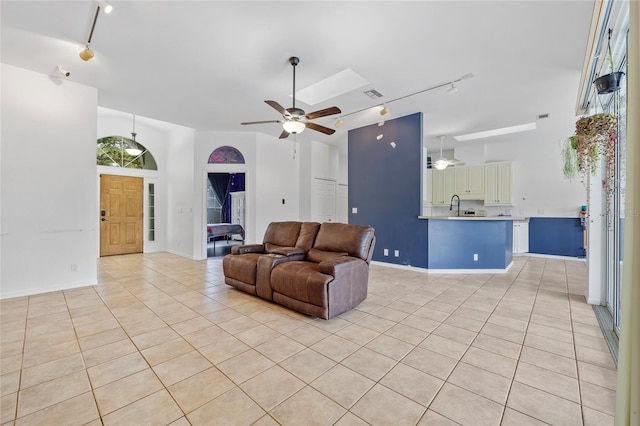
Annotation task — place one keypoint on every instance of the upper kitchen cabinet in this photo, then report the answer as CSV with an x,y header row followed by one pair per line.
x,y
469,182
442,184
498,184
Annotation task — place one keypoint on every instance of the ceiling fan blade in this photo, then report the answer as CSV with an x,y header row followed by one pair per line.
x,y
319,128
323,112
284,135
277,107
261,122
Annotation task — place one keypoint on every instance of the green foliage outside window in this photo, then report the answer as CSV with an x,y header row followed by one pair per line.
x,y
112,151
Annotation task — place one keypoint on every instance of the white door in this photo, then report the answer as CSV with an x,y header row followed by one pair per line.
x,y
237,208
323,200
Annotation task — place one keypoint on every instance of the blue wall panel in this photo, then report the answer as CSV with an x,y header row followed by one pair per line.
x,y
452,244
560,236
384,185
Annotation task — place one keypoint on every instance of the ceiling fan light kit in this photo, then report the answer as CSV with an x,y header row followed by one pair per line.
x,y
295,120
442,162
293,127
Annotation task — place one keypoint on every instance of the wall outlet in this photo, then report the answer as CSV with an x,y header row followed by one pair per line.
x,y
540,211
354,210
396,253
386,252
475,257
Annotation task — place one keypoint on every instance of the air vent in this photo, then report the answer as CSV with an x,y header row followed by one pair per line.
x,y
373,94
541,116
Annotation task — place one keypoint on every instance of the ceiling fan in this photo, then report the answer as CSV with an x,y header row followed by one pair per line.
x,y
442,163
295,120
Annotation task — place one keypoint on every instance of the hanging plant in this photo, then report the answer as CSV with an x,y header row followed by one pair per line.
x,y
609,83
595,138
570,158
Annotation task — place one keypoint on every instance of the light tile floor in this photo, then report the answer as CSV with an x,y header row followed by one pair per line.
x,y
162,340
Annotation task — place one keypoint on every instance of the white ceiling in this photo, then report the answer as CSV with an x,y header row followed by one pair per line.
x,y
210,65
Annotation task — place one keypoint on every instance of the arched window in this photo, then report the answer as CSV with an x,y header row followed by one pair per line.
x,y
118,151
226,155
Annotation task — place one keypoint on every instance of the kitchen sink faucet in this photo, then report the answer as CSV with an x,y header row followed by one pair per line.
x,y
451,203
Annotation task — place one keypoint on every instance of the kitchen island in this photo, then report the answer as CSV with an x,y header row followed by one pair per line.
x,y
473,243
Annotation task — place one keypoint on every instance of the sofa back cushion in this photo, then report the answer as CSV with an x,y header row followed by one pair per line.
x,y
315,255
281,234
308,233
343,237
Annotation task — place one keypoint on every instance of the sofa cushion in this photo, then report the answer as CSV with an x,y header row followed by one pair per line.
x,y
308,233
318,256
343,237
283,251
301,280
284,234
241,267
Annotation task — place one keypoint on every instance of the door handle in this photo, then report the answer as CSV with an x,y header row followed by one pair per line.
x,y
103,219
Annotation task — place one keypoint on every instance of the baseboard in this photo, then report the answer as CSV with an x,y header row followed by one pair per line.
x,y
444,271
42,290
554,256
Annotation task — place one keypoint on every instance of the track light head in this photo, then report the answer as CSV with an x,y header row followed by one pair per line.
x,y
384,110
63,71
453,89
339,122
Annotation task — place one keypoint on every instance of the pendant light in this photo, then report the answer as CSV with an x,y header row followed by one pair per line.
x,y
133,149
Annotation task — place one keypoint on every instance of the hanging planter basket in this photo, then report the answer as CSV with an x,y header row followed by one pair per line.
x,y
608,83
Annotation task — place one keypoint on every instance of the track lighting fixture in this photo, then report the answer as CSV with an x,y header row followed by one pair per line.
x,y
385,110
339,123
381,123
63,71
108,8
86,54
380,136
393,144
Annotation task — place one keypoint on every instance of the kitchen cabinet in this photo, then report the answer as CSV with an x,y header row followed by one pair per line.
x,y
520,237
427,195
498,184
442,186
469,182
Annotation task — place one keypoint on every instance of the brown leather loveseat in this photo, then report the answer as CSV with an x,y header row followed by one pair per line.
x,y
317,269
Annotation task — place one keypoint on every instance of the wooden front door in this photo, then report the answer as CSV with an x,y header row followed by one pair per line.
x,y
120,215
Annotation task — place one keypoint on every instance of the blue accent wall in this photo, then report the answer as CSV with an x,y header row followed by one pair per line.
x,y
452,244
384,185
560,236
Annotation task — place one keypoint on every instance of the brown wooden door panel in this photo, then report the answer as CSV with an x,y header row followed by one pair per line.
x,y
121,229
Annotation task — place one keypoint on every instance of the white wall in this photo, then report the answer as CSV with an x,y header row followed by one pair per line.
x,y
277,174
49,225
180,193
156,136
205,144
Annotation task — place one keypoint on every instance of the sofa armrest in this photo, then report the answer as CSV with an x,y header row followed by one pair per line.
x,y
288,251
248,248
263,274
340,264
349,286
